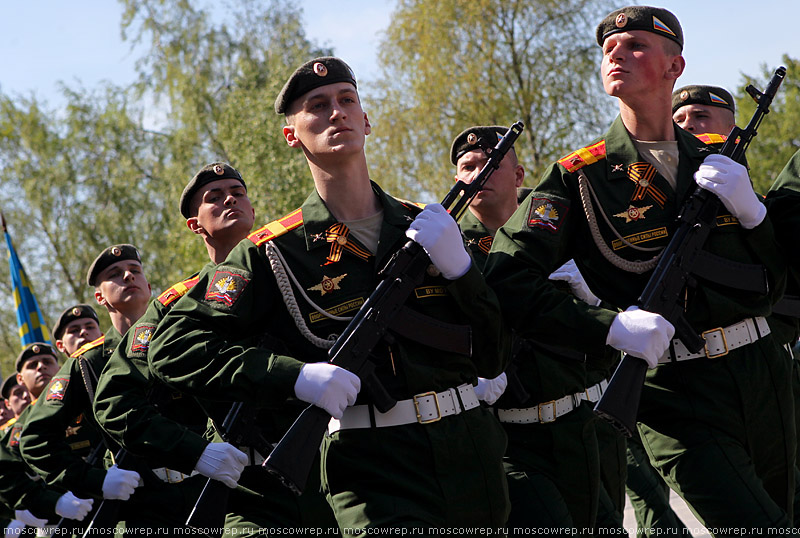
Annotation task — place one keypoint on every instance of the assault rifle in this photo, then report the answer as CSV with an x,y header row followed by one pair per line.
x,y
675,270
292,458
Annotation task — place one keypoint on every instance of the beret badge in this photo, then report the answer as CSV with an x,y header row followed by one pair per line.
x,y
621,20
320,70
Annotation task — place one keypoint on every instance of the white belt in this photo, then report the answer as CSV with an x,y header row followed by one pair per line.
x,y
720,341
549,411
171,477
423,408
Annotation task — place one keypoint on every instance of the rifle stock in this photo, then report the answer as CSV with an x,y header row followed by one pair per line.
x,y
620,402
293,457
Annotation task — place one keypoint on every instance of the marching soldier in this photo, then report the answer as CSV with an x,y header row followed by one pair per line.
x,y
233,336
716,424
16,397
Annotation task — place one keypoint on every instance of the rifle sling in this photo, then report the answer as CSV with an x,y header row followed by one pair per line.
x,y
432,332
740,276
789,305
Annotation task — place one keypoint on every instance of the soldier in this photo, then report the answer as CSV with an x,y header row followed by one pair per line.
x,y
34,503
76,326
717,429
16,398
704,109
143,415
231,337
122,288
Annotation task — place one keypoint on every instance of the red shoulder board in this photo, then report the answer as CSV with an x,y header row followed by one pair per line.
x,y
409,203
177,291
86,347
277,227
712,138
580,158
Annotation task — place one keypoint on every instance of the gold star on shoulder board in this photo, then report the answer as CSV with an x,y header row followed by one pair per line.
x,y
328,284
633,213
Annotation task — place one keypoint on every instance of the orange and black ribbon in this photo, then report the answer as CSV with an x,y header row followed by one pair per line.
x,y
338,236
643,174
485,243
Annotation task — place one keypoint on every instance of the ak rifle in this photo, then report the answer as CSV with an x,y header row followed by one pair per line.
x,y
675,270
293,457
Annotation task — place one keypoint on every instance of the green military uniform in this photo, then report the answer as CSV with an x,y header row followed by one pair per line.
x,y
232,337
720,431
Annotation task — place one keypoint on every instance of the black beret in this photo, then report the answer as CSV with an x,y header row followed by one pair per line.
x,y
484,136
113,254
207,174
702,95
311,75
651,19
8,383
79,311
36,348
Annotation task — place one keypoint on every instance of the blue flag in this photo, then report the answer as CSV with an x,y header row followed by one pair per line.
x,y
32,327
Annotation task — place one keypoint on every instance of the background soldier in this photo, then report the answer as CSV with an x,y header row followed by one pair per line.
x,y
717,431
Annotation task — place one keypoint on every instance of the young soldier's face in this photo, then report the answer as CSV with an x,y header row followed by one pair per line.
x,y
223,208
122,283
637,63
501,188
700,119
328,120
18,399
78,332
36,373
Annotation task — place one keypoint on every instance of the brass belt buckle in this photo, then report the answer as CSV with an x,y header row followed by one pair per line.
x,y
539,412
724,343
435,401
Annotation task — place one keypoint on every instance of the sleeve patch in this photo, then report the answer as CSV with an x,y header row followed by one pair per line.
x,y
141,338
546,214
57,388
225,288
16,432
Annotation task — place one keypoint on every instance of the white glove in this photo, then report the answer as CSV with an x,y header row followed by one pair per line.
x,y
730,182
29,519
327,386
436,231
490,390
223,462
71,507
14,528
119,483
642,334
572,275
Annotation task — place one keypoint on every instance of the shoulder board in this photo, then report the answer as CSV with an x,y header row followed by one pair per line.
x,y
86,347
409,203
8,424
177,291
277,227
712,138
580,158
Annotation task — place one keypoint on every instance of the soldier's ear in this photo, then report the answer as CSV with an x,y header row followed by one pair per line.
x,y
194,225
367,126
291,139
98,296
520,175
61,347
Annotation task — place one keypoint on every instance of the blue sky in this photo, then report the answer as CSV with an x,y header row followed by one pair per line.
x,y
78,42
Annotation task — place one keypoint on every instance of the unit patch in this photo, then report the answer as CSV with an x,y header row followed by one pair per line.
x,y
141,338
641,237
328,284
16,432
633,213
546,214
57,388
225,288
337,310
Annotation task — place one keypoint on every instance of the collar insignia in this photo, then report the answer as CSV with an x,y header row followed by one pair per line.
x,y
328,284
618,167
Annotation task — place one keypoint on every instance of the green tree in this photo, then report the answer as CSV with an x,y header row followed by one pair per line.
x,y
778,136
449,64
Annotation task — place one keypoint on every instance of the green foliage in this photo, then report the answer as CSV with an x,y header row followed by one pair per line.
x,y
447,65
778,136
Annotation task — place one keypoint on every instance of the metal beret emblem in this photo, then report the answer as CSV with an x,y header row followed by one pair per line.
x,y
36,349
76,311
472,139
218,170
116,251
621,21
684,95
320,70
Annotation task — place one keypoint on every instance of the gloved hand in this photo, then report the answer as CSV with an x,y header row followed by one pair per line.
x,y
490,390
29,519
119,483
436,231
730,182
71,507
572,275
327,386
223,462
14,528
642,334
